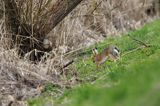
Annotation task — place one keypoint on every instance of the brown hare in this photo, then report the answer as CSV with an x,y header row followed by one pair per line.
x,y
111,53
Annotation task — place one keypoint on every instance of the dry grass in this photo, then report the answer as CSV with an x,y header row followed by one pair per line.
x,y
94,20
20,78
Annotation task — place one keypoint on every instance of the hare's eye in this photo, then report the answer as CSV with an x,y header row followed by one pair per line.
x,y
116,49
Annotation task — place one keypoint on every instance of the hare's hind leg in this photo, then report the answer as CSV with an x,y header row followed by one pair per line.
x,y
98,66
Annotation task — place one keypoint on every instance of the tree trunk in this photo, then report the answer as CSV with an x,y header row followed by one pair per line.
x,y
12,15
157,7
57,13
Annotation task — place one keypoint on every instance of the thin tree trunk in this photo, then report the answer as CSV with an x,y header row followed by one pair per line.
x,y
12,18
59,11
157,7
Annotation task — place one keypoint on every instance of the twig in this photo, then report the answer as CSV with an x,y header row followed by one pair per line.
x,y
140,42
133,50
67,64
95,8
8,83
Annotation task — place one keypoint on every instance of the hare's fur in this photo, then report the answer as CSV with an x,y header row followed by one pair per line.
x,y
111,52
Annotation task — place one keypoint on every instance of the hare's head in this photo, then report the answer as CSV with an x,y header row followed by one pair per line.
x,y
95,51
114,52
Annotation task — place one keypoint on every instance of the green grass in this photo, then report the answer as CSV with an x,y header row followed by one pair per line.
x,y
132,81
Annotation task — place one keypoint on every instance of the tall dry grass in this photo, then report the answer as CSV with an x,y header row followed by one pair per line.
x,y
94,20
90,22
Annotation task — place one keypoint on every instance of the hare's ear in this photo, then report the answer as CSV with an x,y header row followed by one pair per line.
x,y
116,48
95,51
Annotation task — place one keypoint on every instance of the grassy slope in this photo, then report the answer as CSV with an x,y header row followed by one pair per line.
x,y
132,81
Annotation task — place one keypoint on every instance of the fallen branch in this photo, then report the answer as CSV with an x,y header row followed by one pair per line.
x,y
139,41
133,50
67,64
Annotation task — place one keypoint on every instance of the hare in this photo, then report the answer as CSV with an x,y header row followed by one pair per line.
x,y
111,52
